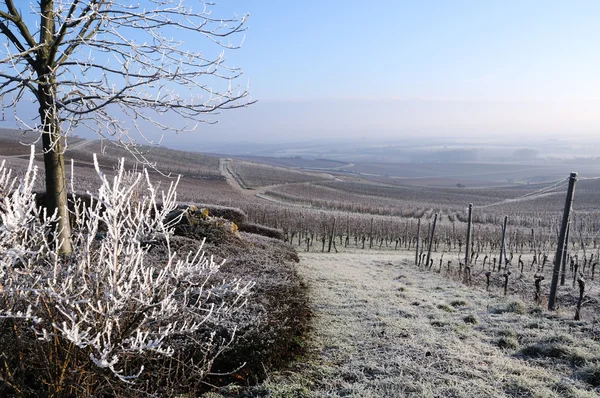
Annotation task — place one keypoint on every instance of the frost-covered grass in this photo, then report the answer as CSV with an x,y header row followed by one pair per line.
x,y
383,328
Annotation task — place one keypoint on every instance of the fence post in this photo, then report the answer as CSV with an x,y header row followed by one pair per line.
x,y
563,273
561,241
431,241
468,248
502,249
417,245
331,235
371,235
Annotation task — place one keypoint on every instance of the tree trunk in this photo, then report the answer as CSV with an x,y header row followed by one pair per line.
x,y
52,140
56,188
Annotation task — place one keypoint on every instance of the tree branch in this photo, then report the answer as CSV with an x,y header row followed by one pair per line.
x,y
83,34
16,79
19,23
15,41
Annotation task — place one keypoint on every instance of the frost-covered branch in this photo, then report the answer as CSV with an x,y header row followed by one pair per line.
x,y
109,61
118,68
111,299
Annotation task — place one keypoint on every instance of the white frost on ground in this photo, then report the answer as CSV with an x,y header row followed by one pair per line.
x,y
384,328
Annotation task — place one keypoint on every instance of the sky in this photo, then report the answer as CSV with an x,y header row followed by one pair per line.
x,y
393,68
389,69
484,50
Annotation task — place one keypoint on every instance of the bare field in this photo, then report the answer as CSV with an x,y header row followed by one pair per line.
x,y
8,148
384,328
190,164
202,179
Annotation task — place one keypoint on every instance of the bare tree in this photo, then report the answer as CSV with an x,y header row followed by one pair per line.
x,y
94,64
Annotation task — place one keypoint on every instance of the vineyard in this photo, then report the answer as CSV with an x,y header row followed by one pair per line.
x,y
329,211
286,199
340,214
514,233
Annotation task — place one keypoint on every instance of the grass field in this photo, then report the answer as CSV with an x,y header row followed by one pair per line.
x,y
383,328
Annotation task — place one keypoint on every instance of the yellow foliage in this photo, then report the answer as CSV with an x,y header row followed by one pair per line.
x,y
204,213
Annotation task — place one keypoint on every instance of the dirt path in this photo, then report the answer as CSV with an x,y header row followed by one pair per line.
x,y
383,328
225,167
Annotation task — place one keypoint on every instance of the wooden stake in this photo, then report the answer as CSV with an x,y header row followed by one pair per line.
x,y
502,249
417,245
561,241
431,239
563,274
331,236
468,247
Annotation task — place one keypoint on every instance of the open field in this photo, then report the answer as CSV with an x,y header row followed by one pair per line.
x,y
368,191
500,168
255,175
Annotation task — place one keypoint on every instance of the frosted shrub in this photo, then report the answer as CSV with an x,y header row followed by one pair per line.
x,y
93,321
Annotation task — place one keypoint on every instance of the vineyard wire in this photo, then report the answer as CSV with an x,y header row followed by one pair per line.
x,y
529,195
588,178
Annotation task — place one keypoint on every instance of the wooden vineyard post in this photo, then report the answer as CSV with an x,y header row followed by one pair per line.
x,y
454,233
502,250
331,236
538,281
417,244
468,247
561,241
563,273
431,240
579,301
425,244
347,230
300,229
371,235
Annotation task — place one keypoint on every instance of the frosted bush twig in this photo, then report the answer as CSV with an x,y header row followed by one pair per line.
x,y
110,299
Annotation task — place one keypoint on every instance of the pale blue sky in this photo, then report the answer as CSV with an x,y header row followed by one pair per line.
x,y
441,68
421,49
395,68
